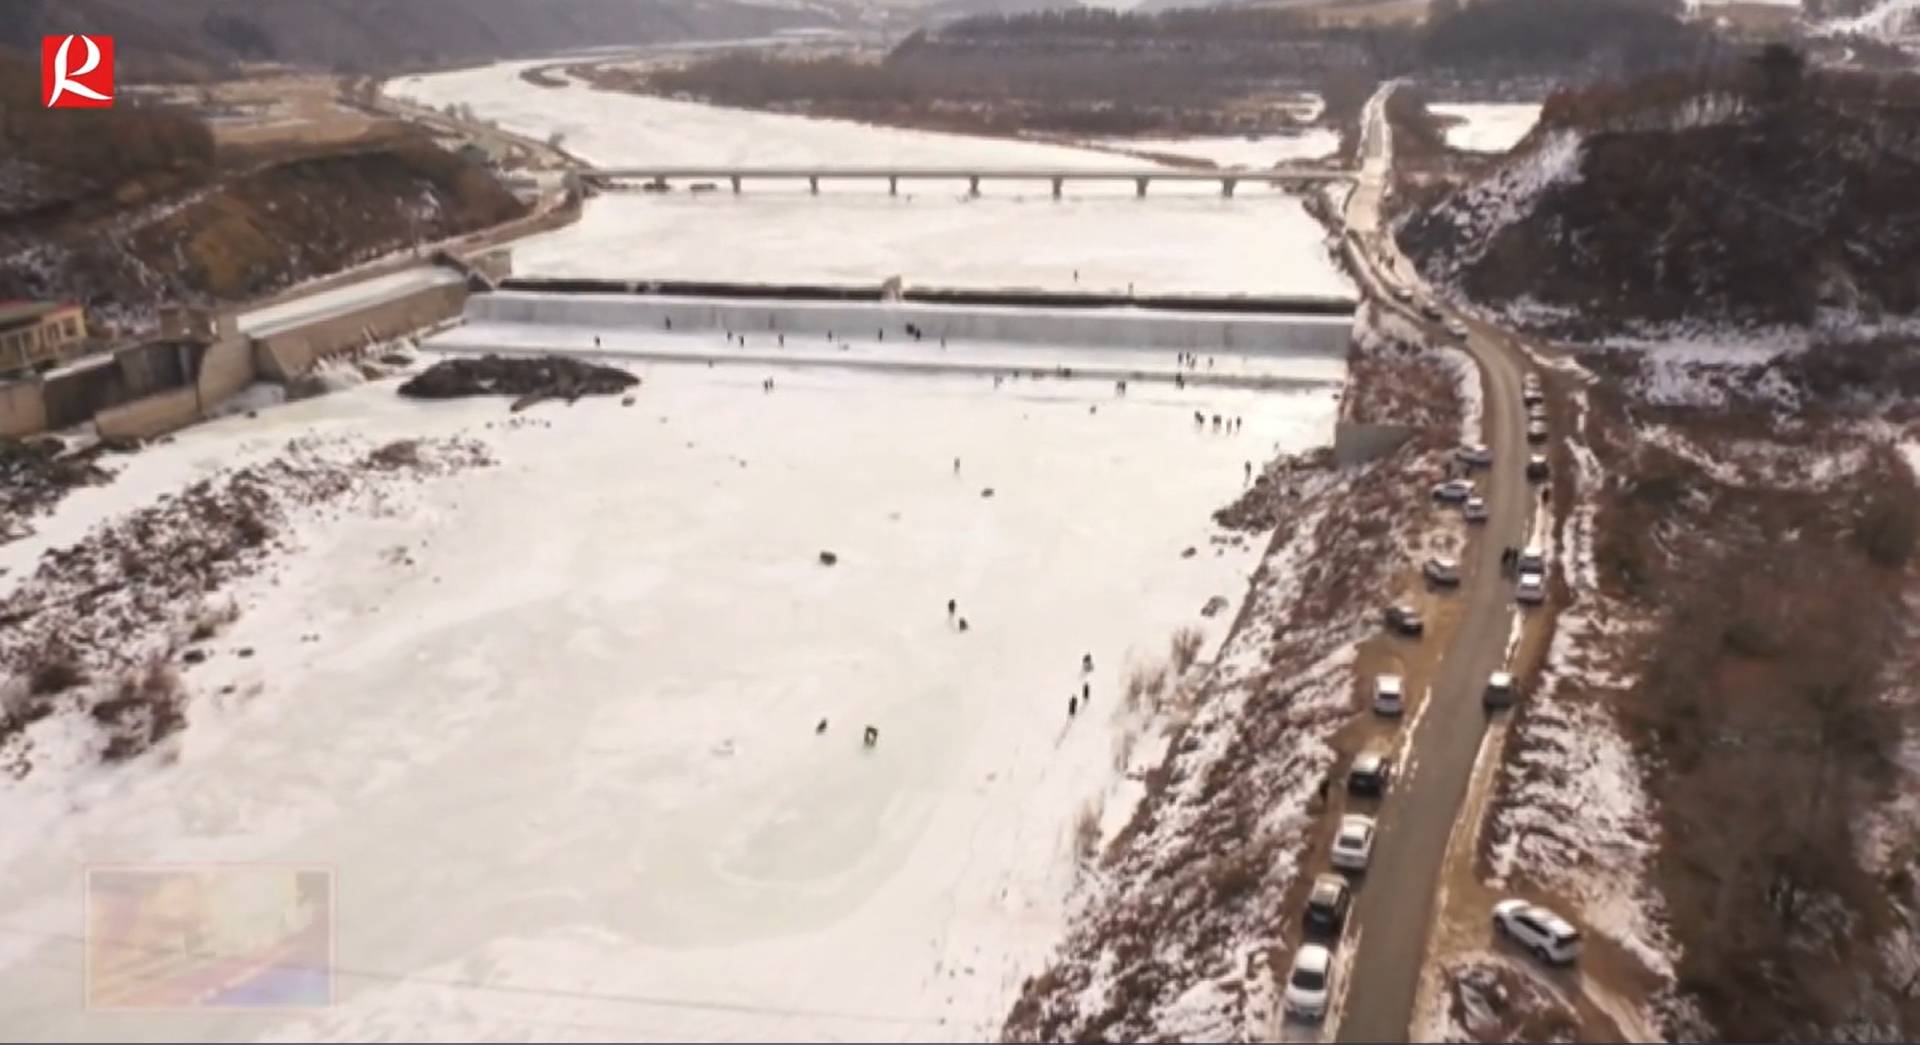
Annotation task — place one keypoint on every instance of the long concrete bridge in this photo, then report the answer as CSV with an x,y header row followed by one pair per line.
x,y
1282,177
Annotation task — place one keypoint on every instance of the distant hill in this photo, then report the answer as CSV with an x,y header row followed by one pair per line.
x,y
185,38
1565,40
1762,195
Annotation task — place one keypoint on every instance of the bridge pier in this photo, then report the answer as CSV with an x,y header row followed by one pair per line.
x,y
893,185
1057,182
973,185
736,185
813,183
1226,186
1140,187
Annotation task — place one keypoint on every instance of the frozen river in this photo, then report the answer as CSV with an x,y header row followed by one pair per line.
x,y
1183,238
565,767
554,726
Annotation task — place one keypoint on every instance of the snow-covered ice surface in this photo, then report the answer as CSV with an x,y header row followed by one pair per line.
x,y
1184,237
564,764
1236,150
1261,242
1491,127
615,128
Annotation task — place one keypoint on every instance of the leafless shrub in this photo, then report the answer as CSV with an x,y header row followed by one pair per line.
x,y
57,674
1123,750
1086,831
209,618
148,707
1184,648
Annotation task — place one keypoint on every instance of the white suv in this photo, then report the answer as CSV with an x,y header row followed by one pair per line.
x,y
1548,936
1389,697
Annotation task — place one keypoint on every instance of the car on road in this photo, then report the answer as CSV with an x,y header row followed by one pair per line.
x,y
1402,294
1537,469
1370,773
1431,311
1537,432
1442,570
1456,329
1533,559
1531,590
1474,455
1353,844
1389,695
1499,691
1327,905
1310,983
1532,396
1405,620
1546,935
1475,509
1453,491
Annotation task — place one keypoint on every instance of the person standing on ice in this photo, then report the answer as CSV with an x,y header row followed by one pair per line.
x,y
956,466
1086,692
1249,467
952,605
596,341
1073,705
1086,662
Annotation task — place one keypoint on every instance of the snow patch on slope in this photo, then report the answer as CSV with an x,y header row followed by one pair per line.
x,y
1509,196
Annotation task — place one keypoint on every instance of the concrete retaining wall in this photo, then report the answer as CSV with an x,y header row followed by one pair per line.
x,y
150,416
225,368
1250,333
23,408
287,352
1355,444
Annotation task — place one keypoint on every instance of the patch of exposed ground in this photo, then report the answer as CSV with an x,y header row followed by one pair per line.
x,y
99,626
529,379
1723,713
36,474
1488,1000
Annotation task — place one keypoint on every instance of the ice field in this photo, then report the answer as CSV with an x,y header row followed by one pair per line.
x,y
565,767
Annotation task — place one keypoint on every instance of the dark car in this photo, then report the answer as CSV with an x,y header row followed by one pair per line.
x,y
1537,467
1405,620
1327,905
1369,773
1499,692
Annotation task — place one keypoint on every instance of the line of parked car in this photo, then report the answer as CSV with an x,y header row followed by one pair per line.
x,y
1538,930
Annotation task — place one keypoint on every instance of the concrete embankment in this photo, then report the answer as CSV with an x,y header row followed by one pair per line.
x,y
1118,326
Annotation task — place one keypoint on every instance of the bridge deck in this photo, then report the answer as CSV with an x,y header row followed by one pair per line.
x,y
982,173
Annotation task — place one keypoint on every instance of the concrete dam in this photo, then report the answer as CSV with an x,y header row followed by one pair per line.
x,y
838,327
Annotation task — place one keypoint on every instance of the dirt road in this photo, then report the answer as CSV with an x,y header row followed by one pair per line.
x,y
1395,905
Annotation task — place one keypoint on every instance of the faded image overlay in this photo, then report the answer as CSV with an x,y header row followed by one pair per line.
x,y
176,937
